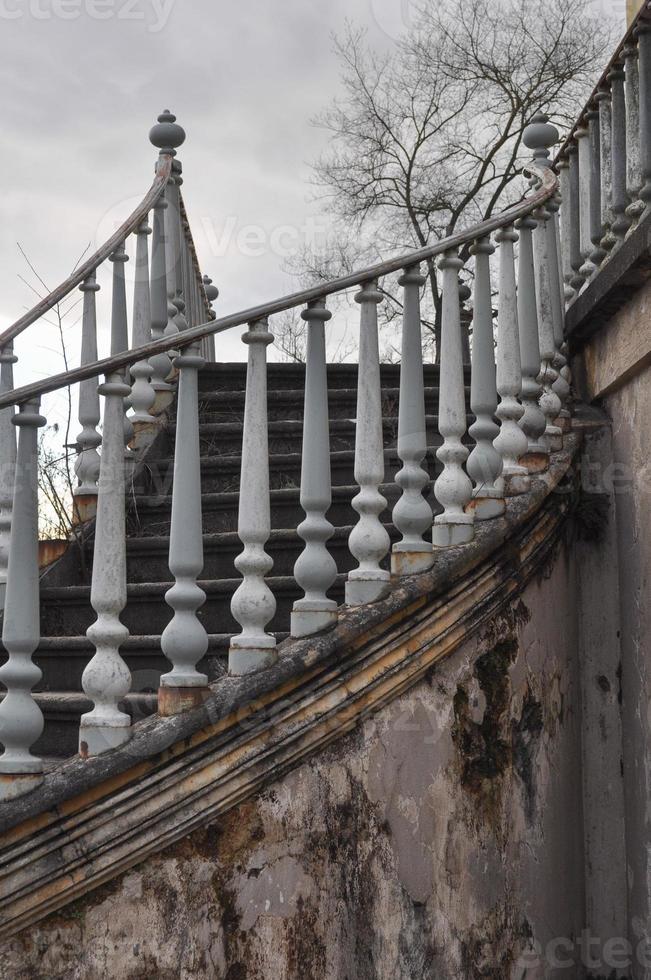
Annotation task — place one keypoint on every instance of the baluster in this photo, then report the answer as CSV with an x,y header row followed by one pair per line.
x,y
566,224
120,340
511,443
106,678
562,383
412,514
315,569
452,488
143,395
644,68
176,230
211,293
621,223
585,178
369,541
7,460
608,240
161,363
597,254
576,260
484,463
21,719
532,423
253,604
550,403
633,154
87,462
185,641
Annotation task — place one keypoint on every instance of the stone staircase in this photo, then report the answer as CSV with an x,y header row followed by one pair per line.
x,y
66,612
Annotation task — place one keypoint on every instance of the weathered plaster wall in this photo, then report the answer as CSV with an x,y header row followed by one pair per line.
x,y
614,368
442,839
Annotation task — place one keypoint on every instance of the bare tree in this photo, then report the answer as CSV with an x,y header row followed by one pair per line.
x,y
429,136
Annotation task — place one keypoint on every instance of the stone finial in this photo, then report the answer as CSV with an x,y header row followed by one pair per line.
x,y
167,134
539,135
210,290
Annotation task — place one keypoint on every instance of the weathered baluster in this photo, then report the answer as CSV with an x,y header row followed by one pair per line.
x,y
143,395
315,569
597,254
369,541
511,443
484,463
608,240
452,488
7,460
585,179
633,157
532,423
621,223
253,605
576,259
566,225
106,678
176,233
167,135
87,463
120,339
550,403
21,719
644,66
412,515
562,382
161,363
212,293
185,641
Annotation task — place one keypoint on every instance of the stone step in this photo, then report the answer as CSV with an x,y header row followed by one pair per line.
x,y
66,611
231,376
150,514
228,406
148,557
286,436
221,474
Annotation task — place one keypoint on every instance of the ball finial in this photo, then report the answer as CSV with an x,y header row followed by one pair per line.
x,y
167,134
210,290
539,135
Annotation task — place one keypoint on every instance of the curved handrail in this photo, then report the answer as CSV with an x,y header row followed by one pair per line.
x,y
107,365
162,174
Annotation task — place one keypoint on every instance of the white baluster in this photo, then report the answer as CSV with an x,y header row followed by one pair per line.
x,y
369,541
511,442
142,392
184,641
633,148
7,461
21,720
585,181
161,363
106,679
120,339
253,605
412,515
533,422
167,135
315,569
88,439
550,403
484,463
603,98
566,222
453,488
211,293
173,213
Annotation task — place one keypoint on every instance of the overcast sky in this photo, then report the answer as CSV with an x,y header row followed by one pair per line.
x,y
82,83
